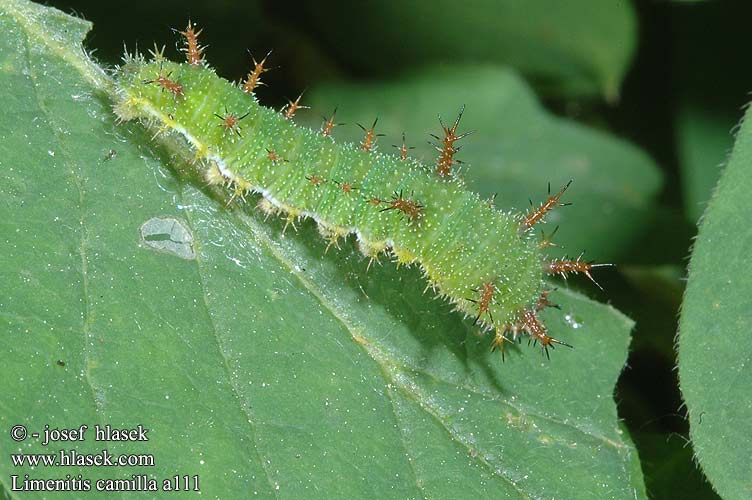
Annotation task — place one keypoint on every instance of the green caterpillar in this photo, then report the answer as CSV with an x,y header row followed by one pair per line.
x,y
487,262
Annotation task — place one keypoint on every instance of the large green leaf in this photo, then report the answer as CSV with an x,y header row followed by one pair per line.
x,y
132,297
579,47
516,150
714,354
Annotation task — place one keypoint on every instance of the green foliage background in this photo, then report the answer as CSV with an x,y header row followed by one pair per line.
x,y
269,369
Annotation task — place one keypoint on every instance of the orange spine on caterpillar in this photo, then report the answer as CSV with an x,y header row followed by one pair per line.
x,y
272,156
231,122
254,77
528,322
167,84
539,213
369,141
403,149
484,302
564,267
316,181
301,173
346,187
193,51
329,124
406,206
538,332
446,146
289,110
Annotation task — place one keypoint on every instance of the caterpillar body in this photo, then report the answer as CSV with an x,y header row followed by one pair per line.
x,y
488,263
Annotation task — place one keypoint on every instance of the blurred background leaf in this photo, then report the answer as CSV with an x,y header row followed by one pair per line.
x,y
711,90
546,41
704,140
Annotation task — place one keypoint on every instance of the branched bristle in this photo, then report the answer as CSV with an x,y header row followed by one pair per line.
x,y
167,84
446,146
254,77
329,124
157,54
539,213
273,157
485,300
369,142
289,110
403,149
316,181
543,301
231,121
546,240
135,57
538,331
193,51
407,206
564,267
499,342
